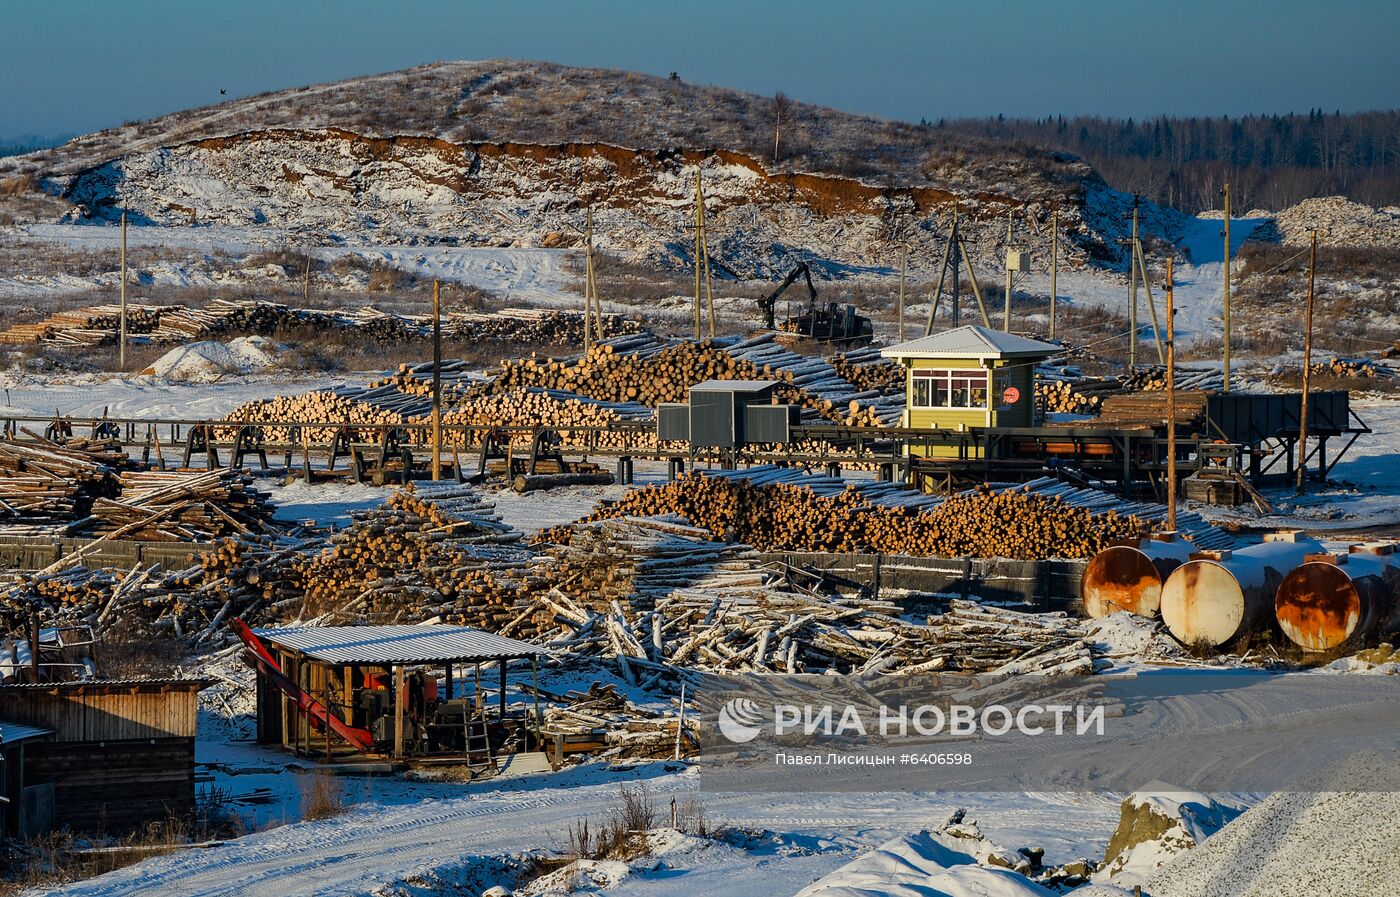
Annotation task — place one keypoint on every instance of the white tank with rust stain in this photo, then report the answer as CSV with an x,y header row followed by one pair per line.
x,y
1129,576
1218,596
1336,599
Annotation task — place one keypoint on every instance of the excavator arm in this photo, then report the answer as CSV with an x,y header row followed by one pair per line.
x,y
769,304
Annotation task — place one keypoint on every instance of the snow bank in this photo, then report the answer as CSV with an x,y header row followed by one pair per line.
x,y
209,361
1155,826
921,865
1305,844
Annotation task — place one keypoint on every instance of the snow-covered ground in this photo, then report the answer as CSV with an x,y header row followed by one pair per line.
x,y
537,276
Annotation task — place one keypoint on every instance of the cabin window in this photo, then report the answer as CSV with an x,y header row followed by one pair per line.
x,y
950,389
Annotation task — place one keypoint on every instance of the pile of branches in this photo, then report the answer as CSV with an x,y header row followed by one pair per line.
x,y
784,517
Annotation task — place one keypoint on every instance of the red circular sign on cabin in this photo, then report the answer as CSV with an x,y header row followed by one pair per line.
x,y
1012,395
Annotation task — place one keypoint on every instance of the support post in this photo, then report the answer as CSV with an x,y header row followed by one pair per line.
x,y
1307,366
1006,310
1226,316
702,260
903,264
399,696
306,282
437,381
1171,401
121,337
957,273
1054,264
1132,291
588,284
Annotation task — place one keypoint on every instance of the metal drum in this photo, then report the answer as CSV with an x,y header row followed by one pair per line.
x,y
1129,576
1218,596
1334,599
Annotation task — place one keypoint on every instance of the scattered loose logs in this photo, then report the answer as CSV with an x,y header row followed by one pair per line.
x,y
782,517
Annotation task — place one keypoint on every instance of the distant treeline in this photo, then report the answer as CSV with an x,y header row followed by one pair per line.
x,y
1270,161
28,143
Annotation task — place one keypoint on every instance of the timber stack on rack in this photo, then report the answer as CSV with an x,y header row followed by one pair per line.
x,y
1149,409
312,407
786,517
644,370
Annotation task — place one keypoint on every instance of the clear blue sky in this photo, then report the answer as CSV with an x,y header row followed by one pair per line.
x,y
78,65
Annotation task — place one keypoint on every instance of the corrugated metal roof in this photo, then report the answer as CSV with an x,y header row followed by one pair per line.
x,y
12,733
973,341
98,685
733,385
397,644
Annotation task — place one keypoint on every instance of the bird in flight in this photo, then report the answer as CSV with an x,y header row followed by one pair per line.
x,y
223,92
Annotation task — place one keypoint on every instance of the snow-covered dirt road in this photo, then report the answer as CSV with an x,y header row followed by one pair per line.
x,y
446,834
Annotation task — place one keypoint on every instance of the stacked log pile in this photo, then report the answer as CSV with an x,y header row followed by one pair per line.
x,y
412,559
100,324
317,407
867,369
779,516
627,730
1078,395
550,408
1355,369
1149,409
441,552
47,482
1151,379
181,506
639,369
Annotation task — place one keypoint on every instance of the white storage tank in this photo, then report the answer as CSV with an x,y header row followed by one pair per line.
x,y
1218,596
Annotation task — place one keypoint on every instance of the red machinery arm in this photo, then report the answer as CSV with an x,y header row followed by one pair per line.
x,y
305,703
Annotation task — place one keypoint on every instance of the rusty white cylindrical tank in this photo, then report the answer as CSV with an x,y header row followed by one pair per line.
x,y
1333,599
1129,576
1218,596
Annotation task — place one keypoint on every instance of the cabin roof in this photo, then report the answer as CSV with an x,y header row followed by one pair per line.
x,y
973,341
427,643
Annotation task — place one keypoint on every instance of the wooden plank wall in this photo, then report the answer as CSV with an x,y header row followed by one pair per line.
x,y
115,787
95,713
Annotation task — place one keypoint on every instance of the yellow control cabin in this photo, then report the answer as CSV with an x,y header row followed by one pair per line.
x,y
970,377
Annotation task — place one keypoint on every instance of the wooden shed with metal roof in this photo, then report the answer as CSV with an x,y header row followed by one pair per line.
x,y
399,692
970,377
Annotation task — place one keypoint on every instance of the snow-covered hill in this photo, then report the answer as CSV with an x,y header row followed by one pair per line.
x,y
511,154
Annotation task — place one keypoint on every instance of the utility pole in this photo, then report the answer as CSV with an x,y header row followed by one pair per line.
x,y
437,381
1132,292
1171,401
1226,356
702,260
1307,367
588,285
306,282
957,265
121,337
1054,264
903,264
1006,311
